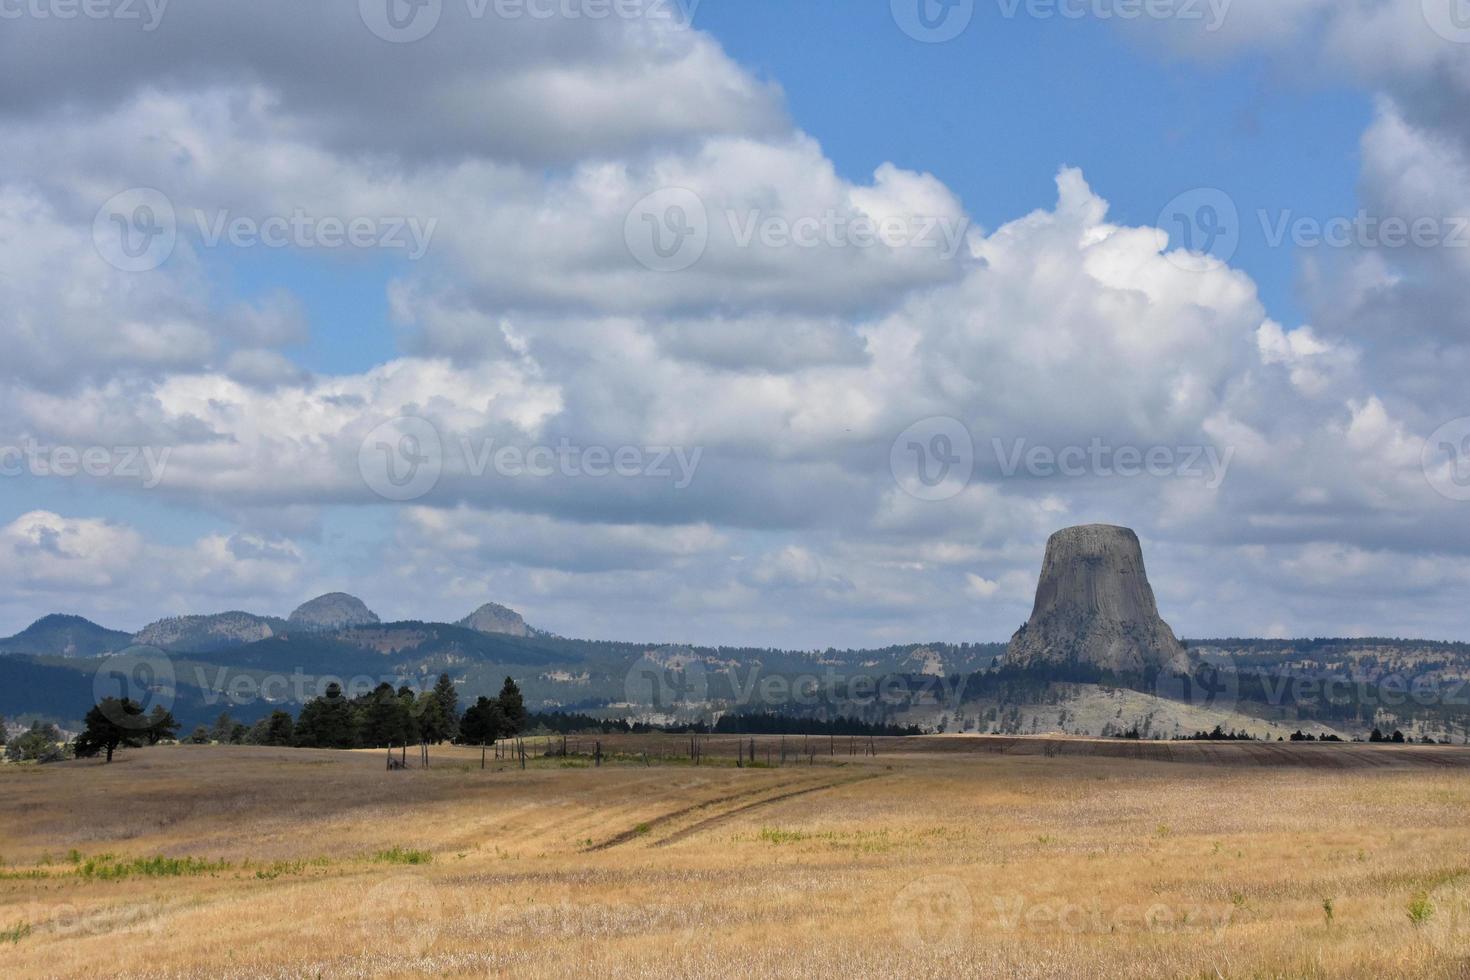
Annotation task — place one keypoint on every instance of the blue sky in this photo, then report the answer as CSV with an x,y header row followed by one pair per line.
x,y
793,377
996,111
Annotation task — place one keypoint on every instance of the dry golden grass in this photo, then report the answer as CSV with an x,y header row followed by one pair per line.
x,y
937,858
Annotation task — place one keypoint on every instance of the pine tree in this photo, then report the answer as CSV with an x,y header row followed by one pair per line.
x,y
484,723
448,715
383,718
279,729
512,707
162,725
223,726
109,725
327,722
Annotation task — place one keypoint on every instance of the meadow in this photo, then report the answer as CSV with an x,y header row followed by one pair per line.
x,y
934,857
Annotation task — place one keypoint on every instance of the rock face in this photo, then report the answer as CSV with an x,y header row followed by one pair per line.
x,y
333,611
1094,606
205,634
495,618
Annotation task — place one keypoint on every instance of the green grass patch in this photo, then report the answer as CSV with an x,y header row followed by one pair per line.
x,y
15,934
108,868
400,855
775,835
29,874
1421,909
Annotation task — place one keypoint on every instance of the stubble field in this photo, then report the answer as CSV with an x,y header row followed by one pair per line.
x,y
936,857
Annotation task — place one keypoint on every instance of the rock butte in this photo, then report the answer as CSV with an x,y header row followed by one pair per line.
x,y
494,618
333,611
1094,606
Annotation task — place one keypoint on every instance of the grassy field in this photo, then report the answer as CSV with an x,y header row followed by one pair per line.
x,y
938,857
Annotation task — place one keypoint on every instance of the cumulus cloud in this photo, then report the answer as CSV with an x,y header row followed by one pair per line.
x,y
768,376
119,574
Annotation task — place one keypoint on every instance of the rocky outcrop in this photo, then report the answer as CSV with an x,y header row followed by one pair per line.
x,y
1094,606
496,619
201,634
333,611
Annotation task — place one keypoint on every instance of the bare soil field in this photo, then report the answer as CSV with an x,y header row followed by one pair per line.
x,y
936,857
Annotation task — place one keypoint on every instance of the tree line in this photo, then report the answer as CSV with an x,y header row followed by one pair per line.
x,y
382,718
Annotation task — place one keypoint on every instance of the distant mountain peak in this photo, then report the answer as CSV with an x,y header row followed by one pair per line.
x,y
65,635
494,618
333,611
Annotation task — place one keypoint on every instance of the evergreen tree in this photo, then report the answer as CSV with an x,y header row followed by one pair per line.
x,y
279,729
483,723
448,714
382,722
37,745
109,725
162,726
199,736
2,731
408,715
513,707
327,722
223,726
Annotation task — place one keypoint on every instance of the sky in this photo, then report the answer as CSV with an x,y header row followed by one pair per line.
x,y
735,321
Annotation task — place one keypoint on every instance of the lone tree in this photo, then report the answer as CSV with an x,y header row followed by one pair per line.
x,y
111,723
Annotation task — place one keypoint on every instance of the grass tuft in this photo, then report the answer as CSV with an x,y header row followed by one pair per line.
x,y
400,855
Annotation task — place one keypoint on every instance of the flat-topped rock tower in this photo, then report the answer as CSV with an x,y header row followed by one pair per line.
x,y
1094,606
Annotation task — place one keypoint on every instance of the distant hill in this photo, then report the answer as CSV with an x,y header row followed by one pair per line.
x,y
209,634
49,670
66,636
332,611
492,617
